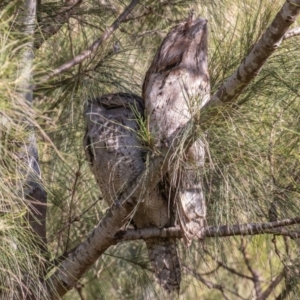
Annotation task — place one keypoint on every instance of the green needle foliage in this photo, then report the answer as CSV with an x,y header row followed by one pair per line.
x,y
252,167
20,258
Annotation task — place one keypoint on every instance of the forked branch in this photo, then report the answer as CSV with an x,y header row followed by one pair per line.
x,y
103,236
277,227
95,45
35,194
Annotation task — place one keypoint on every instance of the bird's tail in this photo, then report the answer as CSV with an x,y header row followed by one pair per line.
x,y
191,210
165,262
190,198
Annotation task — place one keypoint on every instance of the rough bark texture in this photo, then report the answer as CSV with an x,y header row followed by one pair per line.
x,y
176,86
262,50
29,182
116,156
35,193
103,236
216,231
29,163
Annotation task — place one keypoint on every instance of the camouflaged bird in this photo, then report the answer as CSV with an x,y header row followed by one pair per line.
x,y
117,156
176,86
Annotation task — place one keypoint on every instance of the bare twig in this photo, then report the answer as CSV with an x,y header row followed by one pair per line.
x,y
212,231
272,286
149,10
286,245
78,288
213,271
52,25
255,276
71,206
284,232
285,293
75,219
96,44
231,270
210,284
274,241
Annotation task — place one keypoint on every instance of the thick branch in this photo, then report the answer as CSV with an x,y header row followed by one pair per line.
x,y
103,236
34,192
175,232
211,231
262,50
277,228
96,44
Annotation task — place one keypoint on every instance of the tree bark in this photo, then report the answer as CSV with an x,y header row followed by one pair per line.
x,y
262,50
214,231
33,190
103,236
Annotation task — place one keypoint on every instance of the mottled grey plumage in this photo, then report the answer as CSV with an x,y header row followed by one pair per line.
x,y
176,86
116,157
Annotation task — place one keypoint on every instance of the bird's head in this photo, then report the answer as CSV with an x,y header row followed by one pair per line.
x,y
185,46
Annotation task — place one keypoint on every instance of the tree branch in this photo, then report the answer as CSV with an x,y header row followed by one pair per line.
x,y
33,189
103,236
29,184
211,231
272,286
262,50
92,49
232,271
51,25
210,284
285,293
255,276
